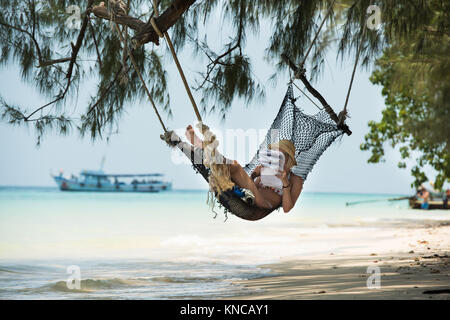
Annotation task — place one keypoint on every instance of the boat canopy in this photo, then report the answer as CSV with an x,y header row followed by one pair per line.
x,y
121,175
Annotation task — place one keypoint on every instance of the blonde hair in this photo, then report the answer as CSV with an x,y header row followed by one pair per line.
x,y
220,176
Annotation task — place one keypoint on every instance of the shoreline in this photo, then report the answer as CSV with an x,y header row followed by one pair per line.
x,y
416,266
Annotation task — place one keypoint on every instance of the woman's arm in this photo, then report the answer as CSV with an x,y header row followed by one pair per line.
x,y
258,181
291,190
256,172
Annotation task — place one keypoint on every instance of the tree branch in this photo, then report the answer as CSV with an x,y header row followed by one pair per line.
x,y
77,46
99,58
101,11
144,31
211,66
75,50
38,50
43,64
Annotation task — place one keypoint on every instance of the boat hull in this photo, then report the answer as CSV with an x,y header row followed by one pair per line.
x,y
72,185
433,204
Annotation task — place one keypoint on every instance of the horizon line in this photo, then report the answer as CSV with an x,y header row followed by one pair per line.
x,y
206,190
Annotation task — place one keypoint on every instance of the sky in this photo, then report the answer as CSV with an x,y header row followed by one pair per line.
x,y
137,147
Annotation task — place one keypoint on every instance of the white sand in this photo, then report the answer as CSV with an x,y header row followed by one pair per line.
x,y
411,259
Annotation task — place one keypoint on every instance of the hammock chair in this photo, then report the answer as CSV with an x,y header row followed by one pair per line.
x,y
310,134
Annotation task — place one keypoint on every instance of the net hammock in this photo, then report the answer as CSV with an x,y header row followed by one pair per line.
x,y
310,134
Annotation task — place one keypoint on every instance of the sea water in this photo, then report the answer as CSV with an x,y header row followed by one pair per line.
x,y
168,245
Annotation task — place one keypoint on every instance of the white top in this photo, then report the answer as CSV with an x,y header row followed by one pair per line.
x,y
272,162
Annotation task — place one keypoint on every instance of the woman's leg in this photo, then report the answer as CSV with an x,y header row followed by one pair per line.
x,y
193,138
198,143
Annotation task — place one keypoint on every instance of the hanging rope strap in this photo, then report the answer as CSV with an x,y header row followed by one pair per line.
x,y
147,91
343,113
299,73
304,93
175,58
316,36
220,177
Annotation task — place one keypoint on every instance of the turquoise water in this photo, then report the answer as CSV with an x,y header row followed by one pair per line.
x,y
167,245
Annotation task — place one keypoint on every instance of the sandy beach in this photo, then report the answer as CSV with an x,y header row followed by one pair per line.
x,y
415,264
174,249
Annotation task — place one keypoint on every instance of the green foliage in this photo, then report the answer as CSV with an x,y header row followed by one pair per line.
x,y
414,75
413,71
34,34
14,116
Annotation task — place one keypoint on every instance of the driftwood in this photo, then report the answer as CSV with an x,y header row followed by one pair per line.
x,y
144,30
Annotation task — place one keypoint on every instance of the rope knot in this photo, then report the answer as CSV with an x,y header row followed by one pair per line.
x,y
116,7
171,138
210,144
342,117
220,177
209,136
155,27
300,72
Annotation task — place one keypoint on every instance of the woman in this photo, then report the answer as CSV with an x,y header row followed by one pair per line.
x,y
265,196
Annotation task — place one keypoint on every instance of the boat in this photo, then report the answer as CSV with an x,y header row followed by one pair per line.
x,y
437,200
90,180
415,203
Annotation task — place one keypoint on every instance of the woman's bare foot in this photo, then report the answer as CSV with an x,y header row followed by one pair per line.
x,y
193,138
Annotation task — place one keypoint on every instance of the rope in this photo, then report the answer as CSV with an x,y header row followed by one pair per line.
x,y
153,23
343,113
304,93
220,177
139,75
177,62
317,34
